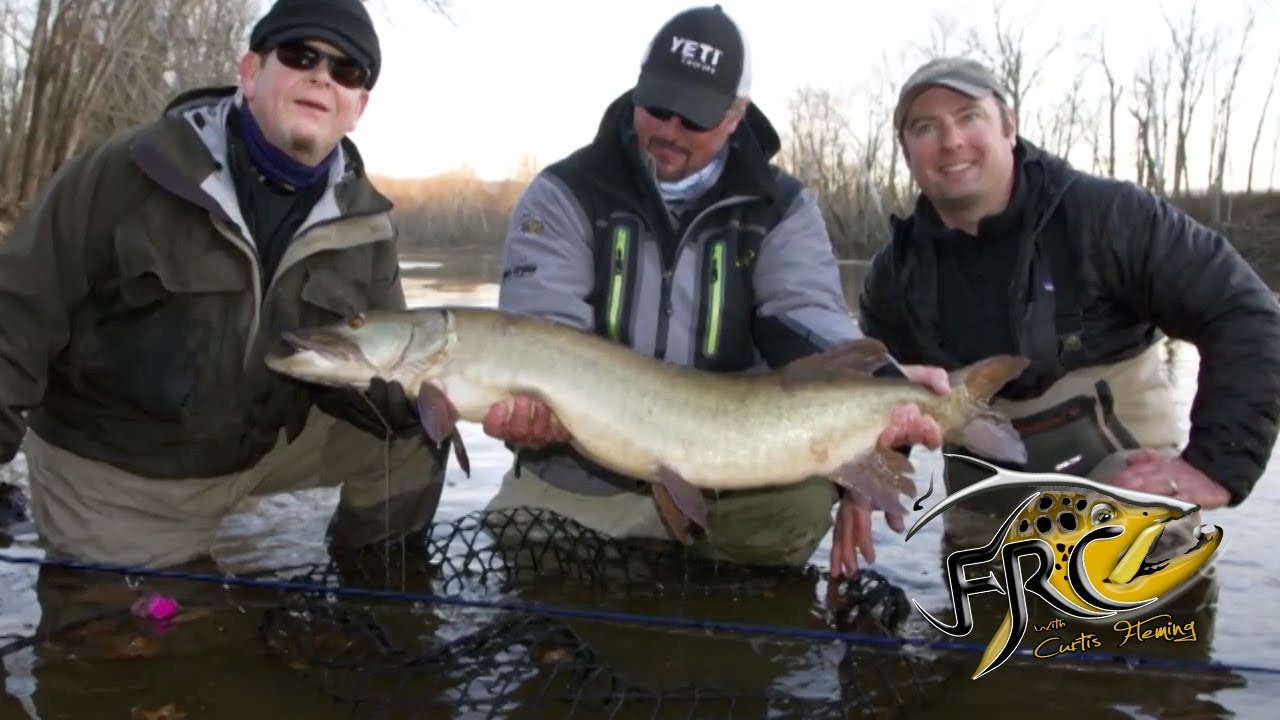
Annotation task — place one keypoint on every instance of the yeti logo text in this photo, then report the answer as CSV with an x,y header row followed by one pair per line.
x,y
1090,542
696,54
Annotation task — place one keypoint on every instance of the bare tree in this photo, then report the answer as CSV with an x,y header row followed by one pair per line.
x,y
1149,111
1009,58
1061,124
880,152
1221,128
1262,117
819,154
90,67
1192,54
945,37
1114,92
73,48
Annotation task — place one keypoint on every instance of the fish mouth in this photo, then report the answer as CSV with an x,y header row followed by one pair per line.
x,y
326,348
1133,563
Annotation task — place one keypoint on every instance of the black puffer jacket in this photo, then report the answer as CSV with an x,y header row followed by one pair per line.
x,y
1129,267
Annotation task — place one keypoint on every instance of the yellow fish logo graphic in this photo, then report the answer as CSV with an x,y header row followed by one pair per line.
x,y
1091,541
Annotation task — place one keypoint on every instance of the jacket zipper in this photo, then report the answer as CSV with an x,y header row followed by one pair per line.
x,y
255,271
664,314
260,292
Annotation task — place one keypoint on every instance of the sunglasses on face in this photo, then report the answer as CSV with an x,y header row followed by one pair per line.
x,y
665,115
344,70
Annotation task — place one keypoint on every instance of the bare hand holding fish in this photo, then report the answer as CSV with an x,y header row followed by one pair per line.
x,y
852,533
681,429
524,421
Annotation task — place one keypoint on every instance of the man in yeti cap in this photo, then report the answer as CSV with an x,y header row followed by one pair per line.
x,y
674,233
141,289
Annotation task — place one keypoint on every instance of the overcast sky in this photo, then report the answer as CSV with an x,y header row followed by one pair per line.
x,y
506,78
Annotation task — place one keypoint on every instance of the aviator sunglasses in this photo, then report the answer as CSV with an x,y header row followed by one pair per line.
x,y
344,70
665,115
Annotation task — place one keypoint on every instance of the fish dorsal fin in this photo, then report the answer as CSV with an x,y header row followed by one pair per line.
x,y
856,358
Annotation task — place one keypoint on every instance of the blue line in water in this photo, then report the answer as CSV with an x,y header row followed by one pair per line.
x,y
625,617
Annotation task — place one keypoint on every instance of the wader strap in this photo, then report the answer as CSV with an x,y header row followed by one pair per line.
x,y
1107,401
1070,437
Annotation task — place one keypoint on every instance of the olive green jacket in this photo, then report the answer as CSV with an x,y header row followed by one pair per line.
x,y
134,316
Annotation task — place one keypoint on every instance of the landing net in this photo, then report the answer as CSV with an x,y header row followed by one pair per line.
x,y
540,624
516,663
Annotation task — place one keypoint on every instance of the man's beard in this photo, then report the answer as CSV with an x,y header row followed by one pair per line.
x,y
303,147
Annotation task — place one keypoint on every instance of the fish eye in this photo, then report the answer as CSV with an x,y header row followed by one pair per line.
x,y
1102,513
356,322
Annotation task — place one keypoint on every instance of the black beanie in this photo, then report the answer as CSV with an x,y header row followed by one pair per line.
x,y
345,23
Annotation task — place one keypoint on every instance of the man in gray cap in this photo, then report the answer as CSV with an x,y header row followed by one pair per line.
x,y
1011,250
674,233
141,289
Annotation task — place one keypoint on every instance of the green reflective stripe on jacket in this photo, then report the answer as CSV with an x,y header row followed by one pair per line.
x,y
715,300
617,281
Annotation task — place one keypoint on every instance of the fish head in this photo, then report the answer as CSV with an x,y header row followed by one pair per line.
x,y
395,346
1100,542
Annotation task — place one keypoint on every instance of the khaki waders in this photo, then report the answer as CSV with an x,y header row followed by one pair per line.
x,y
772,526
96,512
1086,424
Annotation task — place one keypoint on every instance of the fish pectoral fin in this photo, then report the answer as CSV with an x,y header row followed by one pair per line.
x,y
991,434
460,452
880,475
859,357
672,517
680,503
439,420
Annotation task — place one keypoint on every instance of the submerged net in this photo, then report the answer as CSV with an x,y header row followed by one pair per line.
x,y
547,619
516,663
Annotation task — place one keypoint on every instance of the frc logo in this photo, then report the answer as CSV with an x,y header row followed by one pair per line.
x,y
1090,542
696,54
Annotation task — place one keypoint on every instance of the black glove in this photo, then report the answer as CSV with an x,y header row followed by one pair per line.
x,y
382,406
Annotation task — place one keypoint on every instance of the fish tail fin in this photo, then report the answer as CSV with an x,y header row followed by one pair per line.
x,y
985,431
983,379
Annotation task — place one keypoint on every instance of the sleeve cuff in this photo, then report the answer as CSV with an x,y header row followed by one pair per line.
x,y
1203,461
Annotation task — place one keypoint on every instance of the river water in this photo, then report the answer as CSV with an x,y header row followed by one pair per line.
x,y
219,662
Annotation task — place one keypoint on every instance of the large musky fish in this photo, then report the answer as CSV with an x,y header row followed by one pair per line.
x,y
682,429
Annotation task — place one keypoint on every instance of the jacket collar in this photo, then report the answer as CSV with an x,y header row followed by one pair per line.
x,y
186,153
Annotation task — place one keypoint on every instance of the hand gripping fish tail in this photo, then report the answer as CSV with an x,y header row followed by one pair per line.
x,y
966,418
684,431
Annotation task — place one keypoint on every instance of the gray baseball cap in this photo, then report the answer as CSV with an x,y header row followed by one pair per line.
x,y
965,76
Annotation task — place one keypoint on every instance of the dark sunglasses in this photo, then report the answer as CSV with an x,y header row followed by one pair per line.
x,y
344,70
665,115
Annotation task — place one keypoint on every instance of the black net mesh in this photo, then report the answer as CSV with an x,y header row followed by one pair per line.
x,y
441,660
512,614
524,614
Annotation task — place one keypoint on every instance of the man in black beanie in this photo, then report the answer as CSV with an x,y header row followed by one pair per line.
x,y
142,288
344,23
